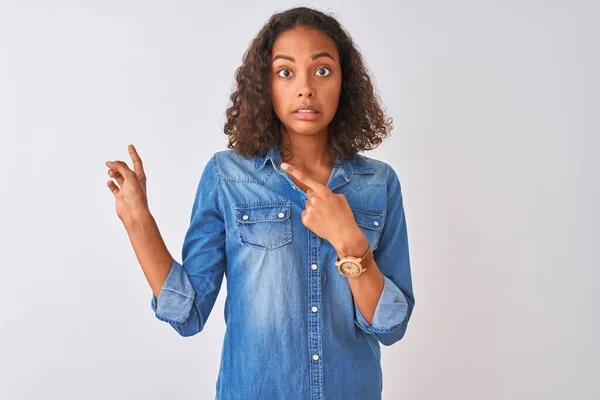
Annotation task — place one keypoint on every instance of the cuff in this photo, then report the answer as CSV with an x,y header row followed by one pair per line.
x,y
389,313
176,297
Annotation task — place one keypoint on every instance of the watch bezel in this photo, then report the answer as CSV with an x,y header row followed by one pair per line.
x,y
354,260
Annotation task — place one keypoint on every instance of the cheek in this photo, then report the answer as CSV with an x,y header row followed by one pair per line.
x,y
277,96
276,103
332,97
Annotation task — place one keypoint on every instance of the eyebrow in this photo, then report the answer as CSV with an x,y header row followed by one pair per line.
x,y
292,59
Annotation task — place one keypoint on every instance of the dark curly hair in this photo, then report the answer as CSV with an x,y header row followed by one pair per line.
x,y
252,124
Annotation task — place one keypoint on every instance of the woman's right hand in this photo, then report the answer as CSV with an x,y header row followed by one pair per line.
x,y
130,194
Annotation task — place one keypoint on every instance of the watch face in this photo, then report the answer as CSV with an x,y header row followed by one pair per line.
x,y
349,268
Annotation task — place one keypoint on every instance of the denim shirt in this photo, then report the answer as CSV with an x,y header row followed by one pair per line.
x,y
293,330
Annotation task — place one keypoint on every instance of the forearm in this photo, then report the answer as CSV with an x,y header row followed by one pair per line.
x,y
149,248
368,286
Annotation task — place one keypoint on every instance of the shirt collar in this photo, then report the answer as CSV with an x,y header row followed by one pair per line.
x,y
349,167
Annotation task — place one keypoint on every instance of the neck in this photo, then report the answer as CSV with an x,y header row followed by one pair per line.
x,y
307,152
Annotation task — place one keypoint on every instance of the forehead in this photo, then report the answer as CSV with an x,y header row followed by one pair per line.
x,y
303,41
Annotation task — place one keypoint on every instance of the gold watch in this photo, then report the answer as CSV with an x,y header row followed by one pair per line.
x,y
351,267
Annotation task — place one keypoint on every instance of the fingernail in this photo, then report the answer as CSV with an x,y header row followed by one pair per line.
x,y
284,165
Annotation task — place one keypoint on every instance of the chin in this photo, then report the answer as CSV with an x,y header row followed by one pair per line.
x,y
306,129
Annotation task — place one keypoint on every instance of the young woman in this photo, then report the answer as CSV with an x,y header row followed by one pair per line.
x,y
311,235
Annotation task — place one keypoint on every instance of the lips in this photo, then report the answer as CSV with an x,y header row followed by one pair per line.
x,y
306,109
306,116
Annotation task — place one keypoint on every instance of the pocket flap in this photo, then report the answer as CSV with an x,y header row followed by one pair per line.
x,y
273,212
369,219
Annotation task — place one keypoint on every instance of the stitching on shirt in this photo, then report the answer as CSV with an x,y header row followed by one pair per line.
x,y
218,173
260,204
377,330
367,184
180,291
240,180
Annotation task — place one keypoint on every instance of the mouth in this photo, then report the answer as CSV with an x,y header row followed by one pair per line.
x,y
306,114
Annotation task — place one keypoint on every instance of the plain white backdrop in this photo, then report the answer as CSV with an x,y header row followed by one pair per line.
x,y
495,107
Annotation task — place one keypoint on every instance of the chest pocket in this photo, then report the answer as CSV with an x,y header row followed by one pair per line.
x,y
371,223
264,225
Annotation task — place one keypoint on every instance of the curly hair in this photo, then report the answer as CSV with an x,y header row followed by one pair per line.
x,y
252,124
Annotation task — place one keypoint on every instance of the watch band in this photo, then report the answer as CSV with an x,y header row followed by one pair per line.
x,y
361,258
368,254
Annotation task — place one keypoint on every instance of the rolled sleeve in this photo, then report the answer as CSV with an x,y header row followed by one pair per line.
x,y
176,297
189,293
397,300
391,310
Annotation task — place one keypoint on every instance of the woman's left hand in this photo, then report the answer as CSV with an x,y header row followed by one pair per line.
x,y
327,214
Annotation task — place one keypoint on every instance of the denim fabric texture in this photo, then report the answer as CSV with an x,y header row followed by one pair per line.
x,y
293,330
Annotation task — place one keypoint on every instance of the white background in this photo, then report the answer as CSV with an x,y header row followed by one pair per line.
x,y
495,107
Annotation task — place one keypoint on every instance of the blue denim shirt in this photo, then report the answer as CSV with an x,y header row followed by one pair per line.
x,y
293,330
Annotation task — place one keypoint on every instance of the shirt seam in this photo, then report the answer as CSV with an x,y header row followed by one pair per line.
x,y
217,178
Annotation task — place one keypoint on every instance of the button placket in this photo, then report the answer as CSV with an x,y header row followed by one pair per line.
x,y
315,323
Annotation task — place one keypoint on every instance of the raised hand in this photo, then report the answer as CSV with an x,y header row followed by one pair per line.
x,y
130,194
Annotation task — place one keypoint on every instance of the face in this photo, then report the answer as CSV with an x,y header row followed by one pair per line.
x,y
305,74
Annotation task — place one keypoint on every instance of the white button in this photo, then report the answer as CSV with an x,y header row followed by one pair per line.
x,y
314,309
376,223
245,217
314,266
281,215
316,357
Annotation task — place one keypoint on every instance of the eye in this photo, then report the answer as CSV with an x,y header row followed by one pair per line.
x,y
323,69
282,70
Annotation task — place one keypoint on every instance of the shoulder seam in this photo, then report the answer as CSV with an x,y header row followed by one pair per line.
x,y
387,176
217,181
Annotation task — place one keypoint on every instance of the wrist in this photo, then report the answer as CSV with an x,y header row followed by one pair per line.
x,y
136,218
354,245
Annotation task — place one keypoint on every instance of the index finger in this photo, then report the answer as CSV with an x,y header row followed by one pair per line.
x,y
121,167
138,167
302,177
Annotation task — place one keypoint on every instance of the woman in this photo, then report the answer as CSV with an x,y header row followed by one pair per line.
x,y
311,235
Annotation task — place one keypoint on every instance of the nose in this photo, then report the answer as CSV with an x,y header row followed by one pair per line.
x,y
305,89
305,93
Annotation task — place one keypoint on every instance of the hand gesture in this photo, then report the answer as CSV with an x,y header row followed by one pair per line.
x,y
327,214
130,194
